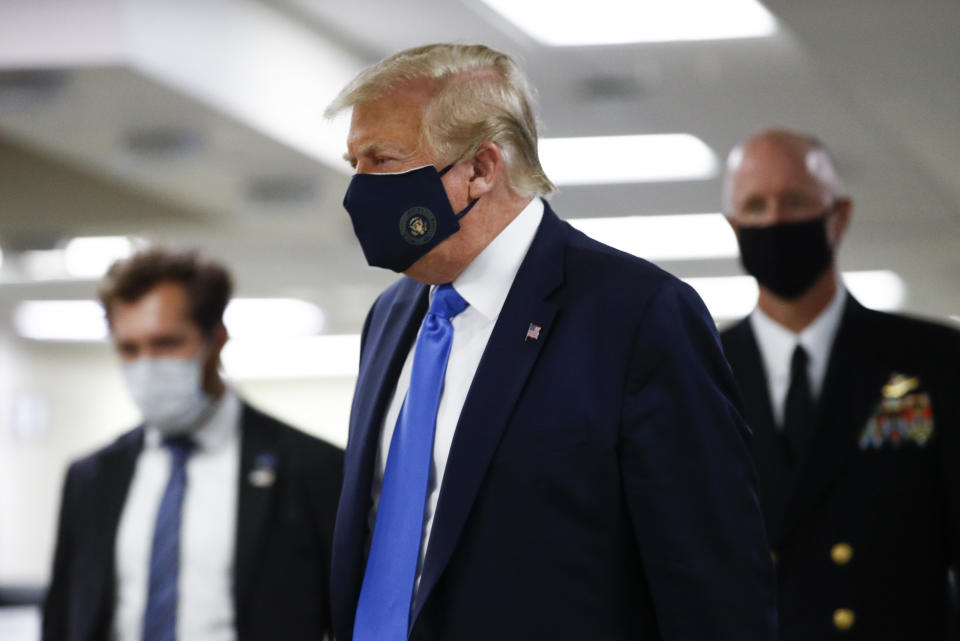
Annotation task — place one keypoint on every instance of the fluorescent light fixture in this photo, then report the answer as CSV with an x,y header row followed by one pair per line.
x,y
675,237
91,256
265,319
566,23
730,297
627,159
877,289
329,356
60,320
270,318
727,297
43,264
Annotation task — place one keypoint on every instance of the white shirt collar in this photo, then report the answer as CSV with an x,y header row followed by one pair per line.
x,y
486,281
220,426
777,343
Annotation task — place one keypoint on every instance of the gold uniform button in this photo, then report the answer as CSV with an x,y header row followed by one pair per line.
x,y
841,553
774,557
843,619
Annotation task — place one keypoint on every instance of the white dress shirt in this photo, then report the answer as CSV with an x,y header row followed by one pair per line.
x,y
777,343
484,284
205,608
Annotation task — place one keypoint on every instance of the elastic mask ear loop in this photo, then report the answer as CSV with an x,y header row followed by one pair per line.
x,y
473,202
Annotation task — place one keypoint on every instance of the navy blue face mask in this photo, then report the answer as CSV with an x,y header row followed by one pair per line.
x,y
399,218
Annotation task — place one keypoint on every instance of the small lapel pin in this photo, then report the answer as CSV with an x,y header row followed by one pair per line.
x,y
264,472
533,333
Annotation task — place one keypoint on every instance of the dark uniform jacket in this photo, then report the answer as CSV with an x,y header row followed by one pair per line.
x,y
284,529
865,528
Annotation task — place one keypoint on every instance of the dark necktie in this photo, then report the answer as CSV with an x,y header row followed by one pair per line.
x,y
383,609
800,411
160,615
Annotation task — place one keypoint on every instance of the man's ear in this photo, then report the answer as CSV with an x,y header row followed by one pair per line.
x,y
218,339
488,164
838,222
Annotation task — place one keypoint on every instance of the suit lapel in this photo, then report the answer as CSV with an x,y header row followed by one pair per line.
x,y
506,363
257,482
776,476
387,342
105,511
850,390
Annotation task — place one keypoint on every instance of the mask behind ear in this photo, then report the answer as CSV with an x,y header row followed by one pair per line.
x,y
786,258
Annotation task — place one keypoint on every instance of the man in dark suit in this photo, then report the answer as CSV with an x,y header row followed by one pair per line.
x,y
854,412
212,520
545,440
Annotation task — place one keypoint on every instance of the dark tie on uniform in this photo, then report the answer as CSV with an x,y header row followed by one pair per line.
x,y
800,411
383,609
160,615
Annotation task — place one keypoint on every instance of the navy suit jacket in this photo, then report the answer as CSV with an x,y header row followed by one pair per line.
x,y
599,484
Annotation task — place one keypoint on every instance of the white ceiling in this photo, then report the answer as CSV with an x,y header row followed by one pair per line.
x,y
202,126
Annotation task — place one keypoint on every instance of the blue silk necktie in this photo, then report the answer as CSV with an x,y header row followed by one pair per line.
x,y
160,615
383,609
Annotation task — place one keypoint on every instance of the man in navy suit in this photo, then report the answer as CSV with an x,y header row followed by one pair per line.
x,y
211,520
585,472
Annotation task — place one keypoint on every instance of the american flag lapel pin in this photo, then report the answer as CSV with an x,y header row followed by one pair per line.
x,y
264,471
533,332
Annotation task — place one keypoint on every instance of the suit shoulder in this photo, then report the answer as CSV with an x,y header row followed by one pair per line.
x,y
914,333
734,333
604,271
291,438
591,253
89,465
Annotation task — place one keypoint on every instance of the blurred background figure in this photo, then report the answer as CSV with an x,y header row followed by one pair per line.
x,y
209,521
856,413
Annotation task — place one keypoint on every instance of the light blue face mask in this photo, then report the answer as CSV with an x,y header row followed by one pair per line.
x,y
168,392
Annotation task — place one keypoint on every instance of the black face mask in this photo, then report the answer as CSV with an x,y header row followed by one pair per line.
x,y
399,218
786,258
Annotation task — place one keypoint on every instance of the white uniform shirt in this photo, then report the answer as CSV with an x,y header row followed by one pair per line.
x,y
484,284
777,343
208,530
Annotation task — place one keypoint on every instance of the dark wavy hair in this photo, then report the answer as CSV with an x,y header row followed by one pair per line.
x,y
208,284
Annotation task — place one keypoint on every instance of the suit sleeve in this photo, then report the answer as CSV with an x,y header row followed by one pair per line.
x,y
690,482
55,625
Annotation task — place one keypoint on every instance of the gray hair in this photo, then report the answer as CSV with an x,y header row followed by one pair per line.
x,y
481,95
817,159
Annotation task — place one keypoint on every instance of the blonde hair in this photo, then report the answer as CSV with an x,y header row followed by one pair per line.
x,y
481,95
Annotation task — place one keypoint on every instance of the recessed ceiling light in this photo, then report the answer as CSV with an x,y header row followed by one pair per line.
x,y
625,159
162,143
609,22
91,256
254,319
22,88
60,320
675,237
328,356
266,318
280,190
